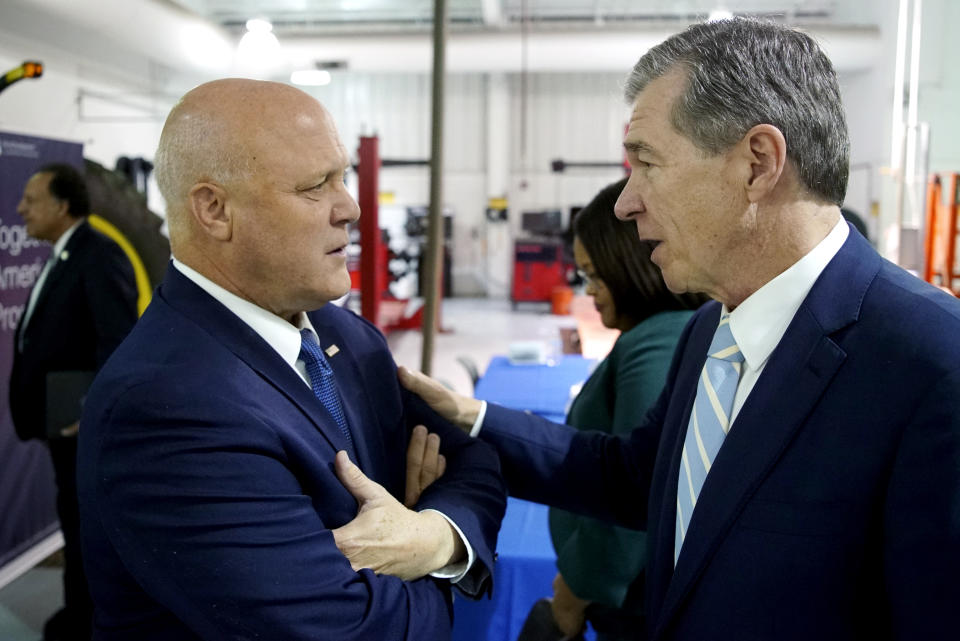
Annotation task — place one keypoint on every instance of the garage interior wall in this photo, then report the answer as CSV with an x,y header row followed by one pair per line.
x,y
499,139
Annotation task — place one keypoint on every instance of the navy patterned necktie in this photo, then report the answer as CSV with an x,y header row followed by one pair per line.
x,y
709,423
321,380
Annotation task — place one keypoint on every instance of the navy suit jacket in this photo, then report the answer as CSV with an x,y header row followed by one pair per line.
x,y
832,511
86,307
208,494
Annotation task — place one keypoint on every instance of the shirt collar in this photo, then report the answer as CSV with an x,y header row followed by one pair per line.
x,y
277,332
64,238
760,321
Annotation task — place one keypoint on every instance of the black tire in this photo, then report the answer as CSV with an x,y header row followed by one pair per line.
x,y
116,200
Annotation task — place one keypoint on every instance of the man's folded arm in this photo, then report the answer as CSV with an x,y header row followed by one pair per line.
x,y
471,493
216,527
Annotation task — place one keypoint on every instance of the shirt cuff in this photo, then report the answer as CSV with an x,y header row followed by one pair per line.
x,y
455,571
477,424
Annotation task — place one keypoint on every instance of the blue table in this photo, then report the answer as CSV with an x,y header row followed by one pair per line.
x,y
541,389
524,573
526,562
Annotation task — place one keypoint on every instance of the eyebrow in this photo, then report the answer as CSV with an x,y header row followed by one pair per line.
x,y
323,174
638,147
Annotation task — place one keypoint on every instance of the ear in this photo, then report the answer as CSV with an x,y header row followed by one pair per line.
x,y
208,206
63,209
766,151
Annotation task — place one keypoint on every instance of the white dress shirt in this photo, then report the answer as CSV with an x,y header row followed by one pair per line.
x,y
285,339
759,323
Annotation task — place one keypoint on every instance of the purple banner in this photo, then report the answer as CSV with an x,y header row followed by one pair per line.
x,y
27,490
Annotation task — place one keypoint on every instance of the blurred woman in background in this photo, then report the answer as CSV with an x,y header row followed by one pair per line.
x,y
601,566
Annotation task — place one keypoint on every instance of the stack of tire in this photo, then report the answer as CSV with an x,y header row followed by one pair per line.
x,y
121,212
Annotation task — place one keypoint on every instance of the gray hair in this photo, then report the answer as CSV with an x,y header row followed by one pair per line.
x,y
742,73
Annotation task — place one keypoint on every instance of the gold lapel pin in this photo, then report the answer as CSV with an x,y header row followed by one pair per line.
x,y
331,351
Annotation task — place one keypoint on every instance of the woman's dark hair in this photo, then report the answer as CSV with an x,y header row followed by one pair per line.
x,y
67,183
622,260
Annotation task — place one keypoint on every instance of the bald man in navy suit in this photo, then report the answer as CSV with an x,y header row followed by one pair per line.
x,y
247,435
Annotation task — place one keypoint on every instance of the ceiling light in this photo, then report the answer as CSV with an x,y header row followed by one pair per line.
x,y
259,25
259,47
719,14
310,77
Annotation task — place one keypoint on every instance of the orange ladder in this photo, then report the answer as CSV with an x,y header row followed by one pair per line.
x,y
941,233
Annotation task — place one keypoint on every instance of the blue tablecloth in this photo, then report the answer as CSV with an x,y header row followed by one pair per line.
x,y
542,389
526,561
524,573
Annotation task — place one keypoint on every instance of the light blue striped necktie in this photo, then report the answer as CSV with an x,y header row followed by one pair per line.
x,y
709,423
321,380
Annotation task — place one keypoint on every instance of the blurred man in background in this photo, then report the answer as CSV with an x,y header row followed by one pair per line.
x,y
81,308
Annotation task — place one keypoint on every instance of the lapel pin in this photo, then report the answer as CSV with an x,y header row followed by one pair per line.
x,y
331,351
64,255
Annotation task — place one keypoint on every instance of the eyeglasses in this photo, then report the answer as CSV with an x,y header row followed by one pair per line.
x,y
590,279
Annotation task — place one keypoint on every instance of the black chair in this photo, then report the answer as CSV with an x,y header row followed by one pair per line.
x,y
540,626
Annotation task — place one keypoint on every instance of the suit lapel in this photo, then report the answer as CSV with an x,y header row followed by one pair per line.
x,y
661,571
795,377
793,380
226,328
60,268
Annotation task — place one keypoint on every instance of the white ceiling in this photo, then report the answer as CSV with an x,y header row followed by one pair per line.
x,y
377,16
153,42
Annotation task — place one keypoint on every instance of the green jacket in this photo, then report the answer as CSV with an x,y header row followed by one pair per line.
x,y
600,561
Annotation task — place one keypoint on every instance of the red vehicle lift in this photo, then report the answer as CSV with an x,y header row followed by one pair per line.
x,y
376,303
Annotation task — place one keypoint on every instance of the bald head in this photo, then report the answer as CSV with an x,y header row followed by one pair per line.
x,y
213,135
254,178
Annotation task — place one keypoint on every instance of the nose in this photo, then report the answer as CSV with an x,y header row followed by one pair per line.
x,y
630,203
347,211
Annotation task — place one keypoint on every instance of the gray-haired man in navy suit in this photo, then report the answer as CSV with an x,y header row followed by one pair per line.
x,y
799,476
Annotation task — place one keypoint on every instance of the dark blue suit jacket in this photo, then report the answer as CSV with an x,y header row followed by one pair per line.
x,y
87,306
832,511
208,493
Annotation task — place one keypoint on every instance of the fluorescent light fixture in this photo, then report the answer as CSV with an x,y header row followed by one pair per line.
x,y
310,77
719,14
259,47
259,25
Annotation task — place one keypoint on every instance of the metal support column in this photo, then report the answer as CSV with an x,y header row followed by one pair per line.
x,y
435,229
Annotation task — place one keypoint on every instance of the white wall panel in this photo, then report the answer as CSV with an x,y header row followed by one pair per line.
x,y
396,107
577,117
862,92
940,83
